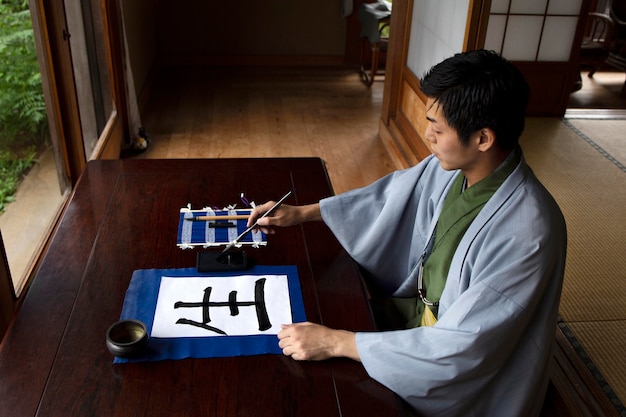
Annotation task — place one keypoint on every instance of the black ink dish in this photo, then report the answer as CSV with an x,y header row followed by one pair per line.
x,y
127,338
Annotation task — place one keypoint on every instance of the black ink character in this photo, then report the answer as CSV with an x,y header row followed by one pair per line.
x,y
233,304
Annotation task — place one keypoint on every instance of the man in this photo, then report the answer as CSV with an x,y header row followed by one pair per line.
x,y
465,252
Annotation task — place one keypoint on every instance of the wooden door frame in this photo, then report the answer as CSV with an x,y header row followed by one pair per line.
x,y
401,124
8,299
117,127
52,35
403,142
49,16
401,138
57,76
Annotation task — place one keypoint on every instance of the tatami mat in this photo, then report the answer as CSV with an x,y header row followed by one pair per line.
x,y
609,135
589,182
605,344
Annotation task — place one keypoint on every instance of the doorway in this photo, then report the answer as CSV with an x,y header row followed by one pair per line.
x,y
599,95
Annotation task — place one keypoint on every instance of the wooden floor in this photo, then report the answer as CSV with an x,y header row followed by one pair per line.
x,y
283,112
602,91
221,113
260,112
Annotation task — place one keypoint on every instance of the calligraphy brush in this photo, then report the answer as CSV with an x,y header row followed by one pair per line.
x,y
249,229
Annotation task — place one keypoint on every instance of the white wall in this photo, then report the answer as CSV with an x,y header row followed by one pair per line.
x,y
437,32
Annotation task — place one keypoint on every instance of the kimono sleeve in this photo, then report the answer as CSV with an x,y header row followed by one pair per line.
x,y
384,226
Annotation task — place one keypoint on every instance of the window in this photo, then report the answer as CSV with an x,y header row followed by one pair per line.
x,y
28,209
541,30
74,44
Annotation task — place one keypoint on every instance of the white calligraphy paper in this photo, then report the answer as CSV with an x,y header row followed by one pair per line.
x,y
218,306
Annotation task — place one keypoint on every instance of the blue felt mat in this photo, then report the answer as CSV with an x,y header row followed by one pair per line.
x,y
140,303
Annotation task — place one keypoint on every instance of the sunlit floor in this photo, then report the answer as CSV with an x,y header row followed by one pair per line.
x,y
27,220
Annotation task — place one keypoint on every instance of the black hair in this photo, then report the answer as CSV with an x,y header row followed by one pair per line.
x,y
479,89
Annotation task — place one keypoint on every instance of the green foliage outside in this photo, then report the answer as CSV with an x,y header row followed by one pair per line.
x,y
23,122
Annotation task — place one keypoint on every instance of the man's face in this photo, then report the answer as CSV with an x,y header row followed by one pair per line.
x,y
445,142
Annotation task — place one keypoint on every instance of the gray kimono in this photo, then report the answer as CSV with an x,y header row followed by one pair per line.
x,y
489,353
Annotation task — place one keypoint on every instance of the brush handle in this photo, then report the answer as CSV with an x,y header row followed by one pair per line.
x,y
249,229
213,218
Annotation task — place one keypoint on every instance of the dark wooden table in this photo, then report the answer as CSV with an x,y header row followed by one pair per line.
x,y
123,216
